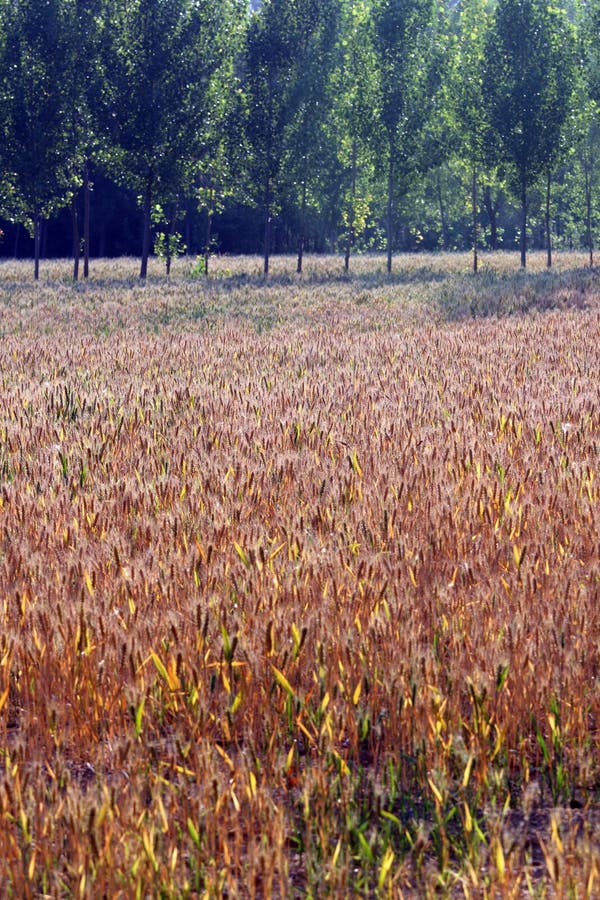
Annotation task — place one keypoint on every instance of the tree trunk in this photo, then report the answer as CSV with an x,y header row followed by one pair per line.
x,y
17,236
188,230
208,239
146,226
170,236
587,175
350,238
443,217
389,226
76,239
474,208
208,233
86,218
548,232
267,236
491,209
37,241
301,239
523,223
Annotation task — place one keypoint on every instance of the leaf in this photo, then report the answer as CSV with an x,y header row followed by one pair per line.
x,y
242,555
435,791
225,756
391,817
386,865
501,676
139,715
343,765
544,747
336,853
283,682
237,702
468,818
365,847
88,583
467,772
500,863
172,681
289,759
229,645
147,842
519,555
354,464
270,639
298,639
277,551
194,833
252,783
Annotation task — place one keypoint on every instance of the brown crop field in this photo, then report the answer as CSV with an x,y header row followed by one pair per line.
x,y
300,581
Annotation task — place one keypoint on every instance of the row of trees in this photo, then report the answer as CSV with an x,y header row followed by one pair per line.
x,y
327,112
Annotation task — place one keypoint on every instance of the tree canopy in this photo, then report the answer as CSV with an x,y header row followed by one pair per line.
x,y
527,87
296,124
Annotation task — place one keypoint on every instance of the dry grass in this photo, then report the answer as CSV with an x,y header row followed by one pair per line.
x,y
300,595
423,289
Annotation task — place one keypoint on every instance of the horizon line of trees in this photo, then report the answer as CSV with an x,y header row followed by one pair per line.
x,y
339,125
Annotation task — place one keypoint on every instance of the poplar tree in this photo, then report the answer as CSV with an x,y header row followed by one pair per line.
x,y
587,119
407,52
309,102
269,63
590,47
465,85
355,118
527,86
39,152
86,25
162,56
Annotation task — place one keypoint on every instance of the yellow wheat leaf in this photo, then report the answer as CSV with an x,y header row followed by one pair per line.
x,y
468,819
242,554
500,863
225,756
386,865
435,791
283,682
289,759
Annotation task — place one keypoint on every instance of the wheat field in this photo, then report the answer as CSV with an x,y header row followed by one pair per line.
x,y
300,580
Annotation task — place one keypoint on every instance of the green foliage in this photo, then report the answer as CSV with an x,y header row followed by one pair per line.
x,y
590,51
168,246
465,82
527,88
268,79
528,82
199,268
354,119
39,153
408,45
336,118
307,136
164,57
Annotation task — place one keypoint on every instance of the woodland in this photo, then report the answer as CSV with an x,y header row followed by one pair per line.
x,y
291,126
